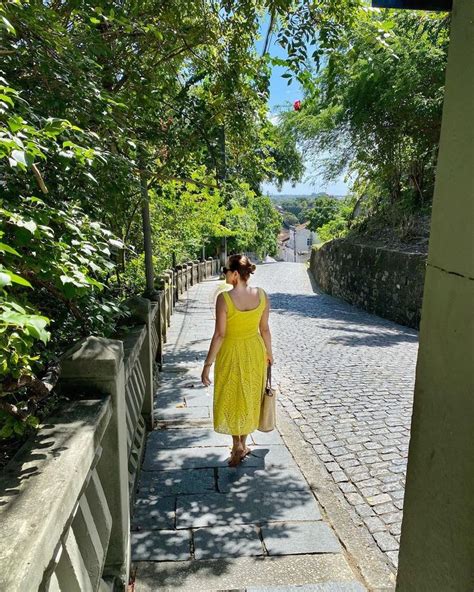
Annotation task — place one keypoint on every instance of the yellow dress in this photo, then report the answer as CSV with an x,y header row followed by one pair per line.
x,y
240,371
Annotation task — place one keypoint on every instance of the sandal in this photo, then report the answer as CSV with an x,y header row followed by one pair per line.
x,y
235,457
245,453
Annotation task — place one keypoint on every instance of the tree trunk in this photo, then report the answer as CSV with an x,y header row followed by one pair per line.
x,y
146,225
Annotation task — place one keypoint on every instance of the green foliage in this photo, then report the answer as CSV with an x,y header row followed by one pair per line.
x,y
336,228
289,219
268,223
94,99
331,218
323,211
375,107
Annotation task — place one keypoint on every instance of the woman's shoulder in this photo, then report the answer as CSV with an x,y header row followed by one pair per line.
x,y
263,293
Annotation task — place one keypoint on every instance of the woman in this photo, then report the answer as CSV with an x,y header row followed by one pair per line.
x,y
242,355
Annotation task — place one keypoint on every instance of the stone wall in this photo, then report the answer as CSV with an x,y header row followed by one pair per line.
x,y
384,282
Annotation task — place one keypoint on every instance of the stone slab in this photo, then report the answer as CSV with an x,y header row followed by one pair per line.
x,y
171,387
165,483
274,456
245,508
240,573
324,587
191,458
187,438
154,512
186,379
299,538
176,396
161,545
198,400
227,541
266,438
243,479
179,367
183,413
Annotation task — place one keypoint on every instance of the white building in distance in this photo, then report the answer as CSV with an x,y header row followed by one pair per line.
x,y
294,244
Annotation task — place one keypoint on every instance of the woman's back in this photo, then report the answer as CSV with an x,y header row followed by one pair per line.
x,y
245,300
244,323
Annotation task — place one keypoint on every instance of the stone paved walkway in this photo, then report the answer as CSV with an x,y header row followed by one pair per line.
x,y
347,381
200,525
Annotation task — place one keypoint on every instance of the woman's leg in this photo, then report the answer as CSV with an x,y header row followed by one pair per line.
x,y
236,454
243,444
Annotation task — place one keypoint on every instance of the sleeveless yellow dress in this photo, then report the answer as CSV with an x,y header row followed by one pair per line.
x,y
240,371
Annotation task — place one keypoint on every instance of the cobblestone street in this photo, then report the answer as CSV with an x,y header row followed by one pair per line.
x,y
347,381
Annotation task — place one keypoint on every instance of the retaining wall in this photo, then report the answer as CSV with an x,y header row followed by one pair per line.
x,y
384,282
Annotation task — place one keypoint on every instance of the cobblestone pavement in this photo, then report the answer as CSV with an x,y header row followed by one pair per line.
x,y
347,381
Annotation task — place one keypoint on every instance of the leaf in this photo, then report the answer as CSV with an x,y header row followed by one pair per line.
x,y
30,225
7,249
6,431
16,279
16,307
66,279
36,326
32,421
5,279
6,99
19,157
91,177
116,243
6,24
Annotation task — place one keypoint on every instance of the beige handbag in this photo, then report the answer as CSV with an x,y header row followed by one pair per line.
x,y
268,406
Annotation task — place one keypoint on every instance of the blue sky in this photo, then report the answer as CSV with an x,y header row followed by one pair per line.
x,y
282,95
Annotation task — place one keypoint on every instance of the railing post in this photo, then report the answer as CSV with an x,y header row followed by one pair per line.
x,y
184,267
196,271
157,297
190,274
178,280
95,365
172,274
168,276
161,285
141,312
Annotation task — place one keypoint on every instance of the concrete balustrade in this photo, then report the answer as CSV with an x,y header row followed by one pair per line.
x,y
209,267
66,496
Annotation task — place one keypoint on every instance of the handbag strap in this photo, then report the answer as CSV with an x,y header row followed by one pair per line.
x,y
269,376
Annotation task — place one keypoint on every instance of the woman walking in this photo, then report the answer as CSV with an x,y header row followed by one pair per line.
x,y
241,348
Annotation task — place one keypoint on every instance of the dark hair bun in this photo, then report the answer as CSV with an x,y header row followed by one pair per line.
x,y
242,264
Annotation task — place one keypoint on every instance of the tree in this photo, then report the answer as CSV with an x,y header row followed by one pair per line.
x,y
323,211
375,106
107,110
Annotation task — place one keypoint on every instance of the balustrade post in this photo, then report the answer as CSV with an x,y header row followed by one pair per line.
x,y
161,284
96,365
168,276
141,312
185,277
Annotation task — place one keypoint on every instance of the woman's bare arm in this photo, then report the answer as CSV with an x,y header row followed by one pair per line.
x,y
219,330
265,330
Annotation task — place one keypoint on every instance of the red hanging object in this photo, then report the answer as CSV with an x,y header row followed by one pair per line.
x,y
297,105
